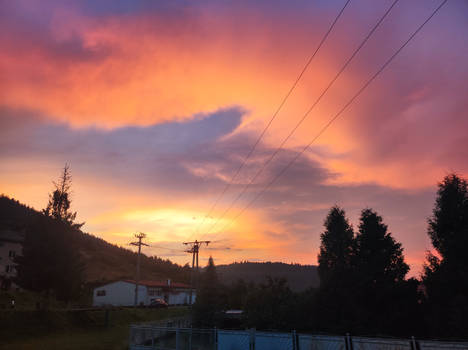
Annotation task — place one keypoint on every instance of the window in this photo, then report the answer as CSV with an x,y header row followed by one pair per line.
x,y
9,268
101,293
154,292
11,253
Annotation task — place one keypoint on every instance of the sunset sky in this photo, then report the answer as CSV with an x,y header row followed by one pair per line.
x,y
155,105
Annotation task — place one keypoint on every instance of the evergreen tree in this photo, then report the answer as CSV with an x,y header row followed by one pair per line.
x,y
236,294
60,201
380,272
334,308
209,301
271,306
446,278
379,258
336,248
49,263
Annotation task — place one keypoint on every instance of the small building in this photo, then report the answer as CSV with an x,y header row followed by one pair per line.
x,y
11,245
122,293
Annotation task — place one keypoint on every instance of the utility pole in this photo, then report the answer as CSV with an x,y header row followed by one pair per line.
x,y
194,249
140,236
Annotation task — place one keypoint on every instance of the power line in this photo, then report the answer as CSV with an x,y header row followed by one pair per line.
x,y
166,248
228,185
324,128
304,117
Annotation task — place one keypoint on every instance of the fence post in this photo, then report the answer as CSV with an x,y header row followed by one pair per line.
x,y
177,339
414,344
215,338
294,340
348,342
252,338
190,338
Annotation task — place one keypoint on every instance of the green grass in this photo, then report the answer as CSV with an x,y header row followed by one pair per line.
x,y
25,300
70,330
115,338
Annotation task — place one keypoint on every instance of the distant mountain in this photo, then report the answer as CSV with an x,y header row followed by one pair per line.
x,y
299,277
103,261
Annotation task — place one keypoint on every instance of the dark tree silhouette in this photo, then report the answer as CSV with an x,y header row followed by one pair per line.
x,y
271,306
49,262
334,306
60,201
236,294
446,278
104,261
209,301
380,272
336,247
379,258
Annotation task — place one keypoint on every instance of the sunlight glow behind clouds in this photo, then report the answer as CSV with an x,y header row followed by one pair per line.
x,y
155,105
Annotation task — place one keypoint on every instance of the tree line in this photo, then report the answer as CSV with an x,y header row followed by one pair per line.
x,y
364,285
59,261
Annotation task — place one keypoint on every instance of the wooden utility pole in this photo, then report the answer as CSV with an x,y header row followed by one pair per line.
x,y
140,236
194,249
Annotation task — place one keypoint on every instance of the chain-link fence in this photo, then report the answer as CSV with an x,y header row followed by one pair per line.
x,y
168,338
234,340
361,343
321,342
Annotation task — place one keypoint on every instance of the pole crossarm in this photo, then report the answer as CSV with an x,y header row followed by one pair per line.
x,y
140,236
194,249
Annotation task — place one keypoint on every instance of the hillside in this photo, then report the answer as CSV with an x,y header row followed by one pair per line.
x,y
103,261
299,277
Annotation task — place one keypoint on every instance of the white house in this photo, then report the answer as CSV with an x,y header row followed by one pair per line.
x,y
11,245
122,293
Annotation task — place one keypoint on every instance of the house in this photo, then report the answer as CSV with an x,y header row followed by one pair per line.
x,y
122,293
11,245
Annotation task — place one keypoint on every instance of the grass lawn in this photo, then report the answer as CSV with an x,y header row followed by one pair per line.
x,y
71,336
115,338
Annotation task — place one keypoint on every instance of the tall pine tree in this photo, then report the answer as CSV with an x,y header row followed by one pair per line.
x,y
334,305
446,277
60,200
50,262
384,297
209,301
336,248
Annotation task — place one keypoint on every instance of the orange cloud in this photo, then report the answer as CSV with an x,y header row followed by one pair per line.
x,y
115,70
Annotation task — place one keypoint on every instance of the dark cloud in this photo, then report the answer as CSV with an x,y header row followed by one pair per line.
x,y
163,157
147,156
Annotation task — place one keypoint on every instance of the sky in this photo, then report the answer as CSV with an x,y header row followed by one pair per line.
x,y
155,105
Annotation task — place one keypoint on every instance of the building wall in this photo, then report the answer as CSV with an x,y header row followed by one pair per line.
x,y
7,265
180,297
122,293
119,293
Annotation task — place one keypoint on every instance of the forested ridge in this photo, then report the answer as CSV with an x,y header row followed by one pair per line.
x,y
364,284
102,260
299,277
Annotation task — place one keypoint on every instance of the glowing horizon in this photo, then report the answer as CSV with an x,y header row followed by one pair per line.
x,y
154,106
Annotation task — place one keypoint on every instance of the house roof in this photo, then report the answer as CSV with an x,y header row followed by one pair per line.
x,y
148,283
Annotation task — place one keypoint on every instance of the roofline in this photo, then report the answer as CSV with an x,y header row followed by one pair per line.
x,y
141,284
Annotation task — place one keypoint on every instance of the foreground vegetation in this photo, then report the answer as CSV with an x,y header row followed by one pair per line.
x,y
78,329
364,288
